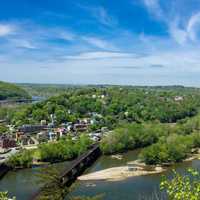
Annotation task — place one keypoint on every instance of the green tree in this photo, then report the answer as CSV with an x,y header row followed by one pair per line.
x,y
21,159
182,187
3,129
5,196
54,189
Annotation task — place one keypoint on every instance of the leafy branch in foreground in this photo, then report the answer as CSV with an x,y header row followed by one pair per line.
x,y
182,187
52,185
54,189
4,196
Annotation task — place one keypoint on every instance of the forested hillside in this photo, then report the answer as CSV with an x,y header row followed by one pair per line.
x,y
114,105
165,121
46,90
10,91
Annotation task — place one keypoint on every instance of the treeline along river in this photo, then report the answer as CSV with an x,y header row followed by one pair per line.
x,y
23,183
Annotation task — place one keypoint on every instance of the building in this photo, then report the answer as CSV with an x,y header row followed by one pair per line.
x,y
32,128
24,139
43,136
178,98
60,132
80,127
7,142
52,136
43,122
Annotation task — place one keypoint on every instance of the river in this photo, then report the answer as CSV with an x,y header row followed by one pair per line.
x,y
23,184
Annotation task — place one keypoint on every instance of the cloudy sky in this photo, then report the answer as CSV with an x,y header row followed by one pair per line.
x,y
138,42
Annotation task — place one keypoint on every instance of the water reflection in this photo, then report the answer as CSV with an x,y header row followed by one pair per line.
x,y
23,183
133,188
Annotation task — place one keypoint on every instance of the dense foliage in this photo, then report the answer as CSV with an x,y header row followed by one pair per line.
x,y
182,187
114,105
23,159
132,136
159,119
5,196
138,116
11,91
182,139
46,90
174,149
3,129
64,149
164,143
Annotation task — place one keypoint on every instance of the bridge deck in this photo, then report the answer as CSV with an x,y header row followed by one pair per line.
x,y
80,159
95,150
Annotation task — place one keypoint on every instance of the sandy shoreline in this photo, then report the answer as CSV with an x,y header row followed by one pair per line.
x,y
118,173
123,172
193,157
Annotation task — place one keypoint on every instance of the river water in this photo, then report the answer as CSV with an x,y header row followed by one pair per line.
x,y
23,183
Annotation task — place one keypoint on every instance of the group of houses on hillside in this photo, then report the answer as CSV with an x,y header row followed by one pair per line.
x,y
7,142
43,132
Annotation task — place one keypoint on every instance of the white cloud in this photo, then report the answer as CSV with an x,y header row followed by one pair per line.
x,y
178,34
101,15
173,60
154,7
28,35
104,17
194,26
104,54
6,29
99,55
187,33
181,28
22,43
103,44
66,35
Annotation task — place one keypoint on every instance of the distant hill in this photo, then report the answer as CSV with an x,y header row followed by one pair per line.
x,y
10,91
48,90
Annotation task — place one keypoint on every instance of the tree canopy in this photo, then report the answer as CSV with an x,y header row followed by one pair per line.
x,y
10,91
114,105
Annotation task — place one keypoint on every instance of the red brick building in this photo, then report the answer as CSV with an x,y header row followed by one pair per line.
x,y
7,142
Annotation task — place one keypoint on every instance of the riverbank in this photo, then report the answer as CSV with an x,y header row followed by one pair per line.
x,y
132,169
23,183
193,156
119,173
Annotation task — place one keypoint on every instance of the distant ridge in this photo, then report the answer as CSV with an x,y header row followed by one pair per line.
x,y
9,91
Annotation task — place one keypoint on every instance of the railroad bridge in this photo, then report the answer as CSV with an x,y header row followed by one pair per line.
x,y
77,167
80,165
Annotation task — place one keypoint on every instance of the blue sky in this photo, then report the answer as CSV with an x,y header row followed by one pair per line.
x,y
137,42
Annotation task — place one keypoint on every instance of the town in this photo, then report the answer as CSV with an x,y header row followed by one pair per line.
x,y
30,136
80,128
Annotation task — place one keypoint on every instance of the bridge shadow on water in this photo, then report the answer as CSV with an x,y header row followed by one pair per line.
x,y
76,168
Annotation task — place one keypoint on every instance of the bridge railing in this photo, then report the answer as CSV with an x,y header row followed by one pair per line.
x,y
64,177
81,158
